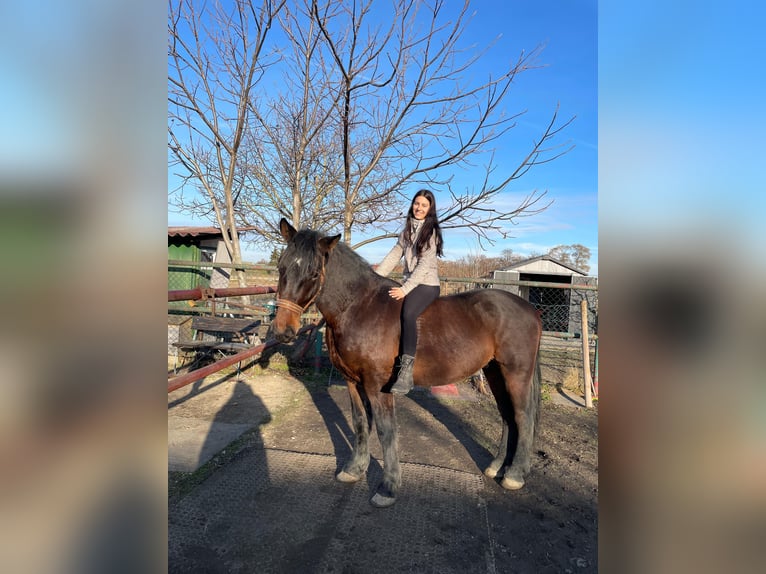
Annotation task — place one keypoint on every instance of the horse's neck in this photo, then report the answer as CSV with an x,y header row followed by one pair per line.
x,y
344,285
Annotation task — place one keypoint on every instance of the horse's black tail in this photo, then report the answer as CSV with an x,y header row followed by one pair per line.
x,y
535,399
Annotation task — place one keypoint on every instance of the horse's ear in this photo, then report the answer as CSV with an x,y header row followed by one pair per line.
x,y
327,244
287,230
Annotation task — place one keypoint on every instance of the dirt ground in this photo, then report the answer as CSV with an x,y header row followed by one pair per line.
x,y
548,526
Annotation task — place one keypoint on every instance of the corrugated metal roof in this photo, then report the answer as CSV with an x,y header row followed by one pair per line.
x,y
543,258
196,231
190,231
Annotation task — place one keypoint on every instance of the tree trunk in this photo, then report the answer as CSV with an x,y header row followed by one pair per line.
x,y
348,221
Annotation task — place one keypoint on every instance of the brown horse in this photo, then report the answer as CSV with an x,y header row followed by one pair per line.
x,y
458,334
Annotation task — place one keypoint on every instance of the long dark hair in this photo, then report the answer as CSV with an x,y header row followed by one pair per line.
x,y
430,225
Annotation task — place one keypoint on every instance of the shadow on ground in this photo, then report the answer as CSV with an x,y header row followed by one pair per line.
x,y
271,504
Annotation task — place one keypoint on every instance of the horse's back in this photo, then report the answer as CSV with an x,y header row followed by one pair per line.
x,y
461,333
488,305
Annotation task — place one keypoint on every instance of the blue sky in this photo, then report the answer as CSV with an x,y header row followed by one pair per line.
x,y
567,78
682,125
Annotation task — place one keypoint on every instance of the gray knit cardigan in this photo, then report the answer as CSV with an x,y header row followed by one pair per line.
x,y
421,270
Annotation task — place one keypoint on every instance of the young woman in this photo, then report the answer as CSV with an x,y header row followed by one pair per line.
x,y
419,243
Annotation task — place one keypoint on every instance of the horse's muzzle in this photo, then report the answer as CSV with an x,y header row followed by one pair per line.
x,y
285,336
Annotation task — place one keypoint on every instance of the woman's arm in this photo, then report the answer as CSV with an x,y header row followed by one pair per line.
x,y
389,261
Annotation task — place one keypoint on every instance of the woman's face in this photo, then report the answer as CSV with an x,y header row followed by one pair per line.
x,y
420,207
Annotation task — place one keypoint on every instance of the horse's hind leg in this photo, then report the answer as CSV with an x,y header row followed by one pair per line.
x,y
361,419
525,399
507,444
385,423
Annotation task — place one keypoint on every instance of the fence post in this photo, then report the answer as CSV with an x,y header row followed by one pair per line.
x,y
586,353
595,375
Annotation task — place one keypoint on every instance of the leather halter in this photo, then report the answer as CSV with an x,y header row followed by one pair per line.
x,y
290,306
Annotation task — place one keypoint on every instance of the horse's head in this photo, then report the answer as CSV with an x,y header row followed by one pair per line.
x,y
301,276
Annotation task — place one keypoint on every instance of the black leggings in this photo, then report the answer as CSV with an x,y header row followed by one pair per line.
x,y
414,304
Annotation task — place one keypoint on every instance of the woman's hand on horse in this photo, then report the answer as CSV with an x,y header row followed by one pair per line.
x,y
396,293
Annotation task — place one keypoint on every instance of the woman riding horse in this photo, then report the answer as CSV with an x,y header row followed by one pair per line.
x,y
419,244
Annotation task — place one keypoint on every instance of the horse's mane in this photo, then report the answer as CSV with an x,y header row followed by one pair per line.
x,y
355,262
351,266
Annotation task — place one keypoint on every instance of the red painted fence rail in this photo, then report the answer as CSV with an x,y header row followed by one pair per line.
x,y
200,292
183,380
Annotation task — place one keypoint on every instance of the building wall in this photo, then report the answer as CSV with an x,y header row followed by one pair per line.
x,y
182,249
219,277
510,276
194,249
575,309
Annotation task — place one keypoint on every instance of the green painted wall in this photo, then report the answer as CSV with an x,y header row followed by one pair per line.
x,y
185,278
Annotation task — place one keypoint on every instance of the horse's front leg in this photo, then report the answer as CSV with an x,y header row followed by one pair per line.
x,y
385,422
361,419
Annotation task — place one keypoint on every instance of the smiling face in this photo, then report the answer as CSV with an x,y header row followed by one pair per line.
x,y
420,207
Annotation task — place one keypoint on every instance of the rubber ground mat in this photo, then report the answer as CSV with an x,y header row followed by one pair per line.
x,y
279,511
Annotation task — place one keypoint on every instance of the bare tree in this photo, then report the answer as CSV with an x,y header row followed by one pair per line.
x,y
576,255
407,115
293,138
217,54
368,101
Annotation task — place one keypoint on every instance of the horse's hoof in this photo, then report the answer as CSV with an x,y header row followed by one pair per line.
x,y
380,501
509,483
491,472
346,477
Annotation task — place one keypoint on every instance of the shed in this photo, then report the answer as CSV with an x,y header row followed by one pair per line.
x,y
194,244
198,244
559,307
